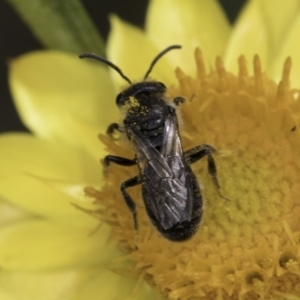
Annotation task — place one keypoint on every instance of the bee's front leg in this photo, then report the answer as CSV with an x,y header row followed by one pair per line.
x,y
112,128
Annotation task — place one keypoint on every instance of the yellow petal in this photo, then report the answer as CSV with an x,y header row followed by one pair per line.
x,y
290,47
49,285
110,286
51,88
130,49
37,175
10,214
87,136
279,17
249,37
191,23
39,244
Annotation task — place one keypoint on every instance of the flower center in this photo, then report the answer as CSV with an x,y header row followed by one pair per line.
x,y
246,246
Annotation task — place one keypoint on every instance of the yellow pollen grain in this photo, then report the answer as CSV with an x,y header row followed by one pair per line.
x,y
130,104
246,248
133,102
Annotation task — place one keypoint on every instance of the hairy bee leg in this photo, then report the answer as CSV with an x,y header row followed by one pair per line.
x,y
129,202
178,100
112,128
197,153
122,161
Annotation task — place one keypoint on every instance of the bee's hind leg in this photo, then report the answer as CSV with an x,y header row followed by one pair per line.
x,y
196,154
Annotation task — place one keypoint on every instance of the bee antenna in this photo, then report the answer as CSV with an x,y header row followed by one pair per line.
x,y
104,60
154,61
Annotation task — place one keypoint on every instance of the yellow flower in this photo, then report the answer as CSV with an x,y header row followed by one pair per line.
x,y
245,248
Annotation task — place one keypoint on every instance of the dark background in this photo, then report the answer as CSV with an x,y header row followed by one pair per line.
x,y
16,38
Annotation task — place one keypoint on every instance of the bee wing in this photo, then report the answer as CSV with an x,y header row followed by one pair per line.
x,y
169,195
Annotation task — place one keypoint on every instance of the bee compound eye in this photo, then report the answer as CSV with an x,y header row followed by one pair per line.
x,y
162,85
143,94
120,100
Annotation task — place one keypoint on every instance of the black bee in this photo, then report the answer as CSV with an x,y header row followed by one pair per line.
x,y
170,190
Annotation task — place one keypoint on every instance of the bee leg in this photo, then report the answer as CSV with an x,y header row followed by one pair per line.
x,y
112,128
122,161
196,154
130,203
178,100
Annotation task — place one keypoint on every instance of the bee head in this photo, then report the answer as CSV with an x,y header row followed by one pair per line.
x,y
141,92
